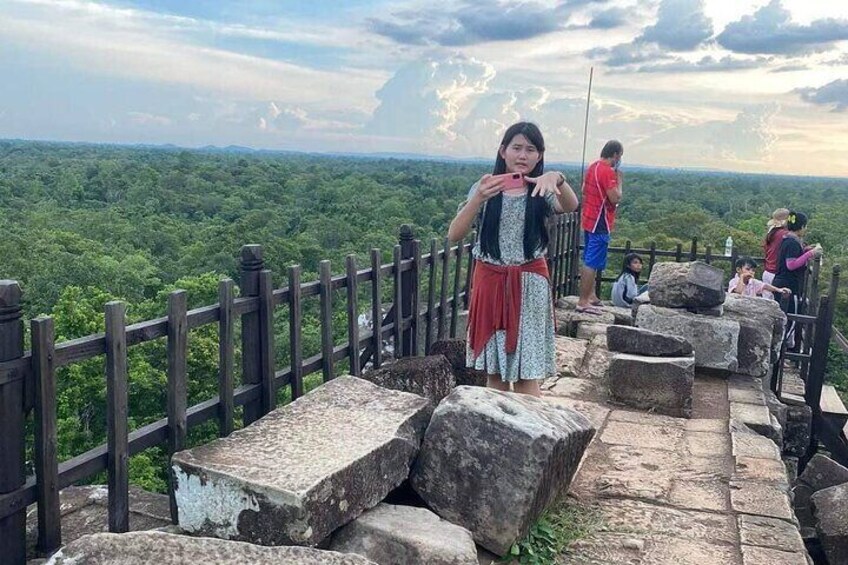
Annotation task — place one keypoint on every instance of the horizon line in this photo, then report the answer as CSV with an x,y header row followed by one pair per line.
x,y
388,155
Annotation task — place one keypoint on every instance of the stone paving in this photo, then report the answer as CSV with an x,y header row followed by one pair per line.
x,y
702,491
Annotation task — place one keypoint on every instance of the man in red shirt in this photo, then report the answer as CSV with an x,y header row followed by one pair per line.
x,y
601,195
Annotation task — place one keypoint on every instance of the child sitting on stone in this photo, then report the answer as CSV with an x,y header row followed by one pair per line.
x,y
626,287
746,284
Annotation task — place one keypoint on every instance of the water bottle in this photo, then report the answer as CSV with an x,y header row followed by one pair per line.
x,y
728,247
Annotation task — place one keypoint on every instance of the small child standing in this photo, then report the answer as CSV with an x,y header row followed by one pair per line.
x,y
746,284
626,287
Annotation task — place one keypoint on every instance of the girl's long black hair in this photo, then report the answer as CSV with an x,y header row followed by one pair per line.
x,y
535,232
626,266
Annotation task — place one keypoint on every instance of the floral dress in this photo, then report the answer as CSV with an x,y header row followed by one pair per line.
x,y
534,356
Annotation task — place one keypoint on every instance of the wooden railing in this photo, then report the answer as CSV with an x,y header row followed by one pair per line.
x,y
28,378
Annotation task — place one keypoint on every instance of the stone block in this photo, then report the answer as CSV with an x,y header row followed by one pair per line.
x,y
431,376
639,341
830,507
141,548
492,461
715,340
686,285
568,321
770,532
760,499
390,534
588,330
759,419
455,351
305,469
820,473
766,312
659,384
569,353
755,555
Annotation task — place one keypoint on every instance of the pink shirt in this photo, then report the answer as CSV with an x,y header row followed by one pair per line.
x,y
753,288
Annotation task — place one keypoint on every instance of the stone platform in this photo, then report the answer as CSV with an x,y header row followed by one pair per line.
x,y
672,490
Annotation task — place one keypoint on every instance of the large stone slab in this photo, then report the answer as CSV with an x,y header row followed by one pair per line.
x,y
640,341
756,333
820,473
830,507
659,384
305,469
715,340
493,461
143,548
455,352
389,534
686,285
431,376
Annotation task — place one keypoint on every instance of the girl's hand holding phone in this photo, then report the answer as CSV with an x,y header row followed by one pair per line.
x,y
489,186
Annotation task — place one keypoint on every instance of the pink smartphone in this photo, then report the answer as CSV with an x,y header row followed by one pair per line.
x,y
511,180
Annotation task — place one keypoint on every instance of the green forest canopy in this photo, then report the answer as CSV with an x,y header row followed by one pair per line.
x,y
85,224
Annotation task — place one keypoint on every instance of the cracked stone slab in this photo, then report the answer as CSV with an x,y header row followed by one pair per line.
x,y
142,548
758,418
621,549
640,435
754,445
761,499
763,470
633,516
707,444
770,533
305,469
754,555
626,471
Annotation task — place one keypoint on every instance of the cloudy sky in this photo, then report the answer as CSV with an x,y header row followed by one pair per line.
x,y
744,85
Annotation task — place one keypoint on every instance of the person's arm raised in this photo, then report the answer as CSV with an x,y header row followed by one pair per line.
x,y
614,194
461,224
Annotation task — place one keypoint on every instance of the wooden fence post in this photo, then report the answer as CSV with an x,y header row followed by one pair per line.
x,y
575,252
177,385
326,313
295,332
408,286
266,342
226,355
693,253
12,472
46,447
117,424
251,350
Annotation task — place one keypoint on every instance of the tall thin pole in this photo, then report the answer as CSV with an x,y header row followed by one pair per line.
x,y
586,125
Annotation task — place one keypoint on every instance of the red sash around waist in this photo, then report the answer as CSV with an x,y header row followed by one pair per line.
x,y
496,301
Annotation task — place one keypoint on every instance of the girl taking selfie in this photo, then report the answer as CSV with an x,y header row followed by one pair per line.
x,y
510,317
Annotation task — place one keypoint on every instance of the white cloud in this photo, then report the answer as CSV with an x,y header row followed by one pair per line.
x,y
124,43
424,99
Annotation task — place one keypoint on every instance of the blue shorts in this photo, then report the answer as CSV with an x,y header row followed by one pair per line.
x,y
595,253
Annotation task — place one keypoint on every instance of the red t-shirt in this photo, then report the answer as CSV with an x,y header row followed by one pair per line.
x,y
598,211
771,247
